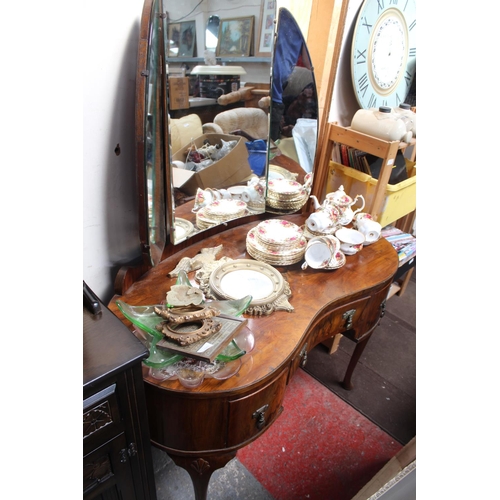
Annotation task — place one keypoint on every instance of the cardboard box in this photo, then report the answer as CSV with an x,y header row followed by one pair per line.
x,y
178,92
229,171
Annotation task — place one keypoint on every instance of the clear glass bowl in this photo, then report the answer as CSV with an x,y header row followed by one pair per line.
x,y
191,373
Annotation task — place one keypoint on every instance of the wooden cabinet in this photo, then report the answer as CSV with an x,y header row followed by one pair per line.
x,y
117,462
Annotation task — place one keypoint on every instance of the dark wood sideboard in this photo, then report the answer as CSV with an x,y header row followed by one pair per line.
x,y
202,429
117,461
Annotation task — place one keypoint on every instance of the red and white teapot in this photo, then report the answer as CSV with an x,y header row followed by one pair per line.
x,y
344,203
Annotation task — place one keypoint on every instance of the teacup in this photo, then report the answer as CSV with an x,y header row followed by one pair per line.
x,y
253,193
323,220
308,178
202,198
351,240
226,195
320,252
370,228
216,194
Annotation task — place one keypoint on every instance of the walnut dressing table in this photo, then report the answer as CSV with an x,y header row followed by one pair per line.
x,y
201,429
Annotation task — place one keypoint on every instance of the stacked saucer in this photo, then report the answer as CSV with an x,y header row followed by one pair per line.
x,y
286,194
309,233
220,211
276,242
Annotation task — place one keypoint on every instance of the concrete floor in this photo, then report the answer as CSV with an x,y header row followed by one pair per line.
x,y
229,483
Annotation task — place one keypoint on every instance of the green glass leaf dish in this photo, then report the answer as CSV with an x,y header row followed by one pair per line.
x,y
145,318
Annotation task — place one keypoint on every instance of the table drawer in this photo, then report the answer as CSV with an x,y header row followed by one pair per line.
x,y
101,418
338,320
251,414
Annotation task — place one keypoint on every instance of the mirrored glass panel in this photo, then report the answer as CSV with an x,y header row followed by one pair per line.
x,y
150,144
218,111
216,135
293,119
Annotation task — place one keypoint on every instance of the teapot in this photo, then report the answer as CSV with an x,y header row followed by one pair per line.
x,y
344,203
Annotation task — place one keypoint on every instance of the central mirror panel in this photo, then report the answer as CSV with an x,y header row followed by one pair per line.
x,y
219,83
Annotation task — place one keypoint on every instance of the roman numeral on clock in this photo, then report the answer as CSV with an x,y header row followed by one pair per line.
x,y
380,5
361,57
372,103
363,84
408,78
368,26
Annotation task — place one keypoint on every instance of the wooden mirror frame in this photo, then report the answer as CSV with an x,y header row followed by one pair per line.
x,y
334,16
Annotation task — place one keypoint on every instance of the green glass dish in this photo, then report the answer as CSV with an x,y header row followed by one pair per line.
x,y
145,318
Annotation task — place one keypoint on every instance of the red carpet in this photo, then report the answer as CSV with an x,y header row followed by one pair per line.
x,y
320,448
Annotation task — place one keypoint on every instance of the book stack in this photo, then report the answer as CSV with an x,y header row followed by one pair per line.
x,y
369,164
404,243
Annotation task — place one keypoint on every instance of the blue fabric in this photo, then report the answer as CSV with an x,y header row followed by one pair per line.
x,y
287,51
257,156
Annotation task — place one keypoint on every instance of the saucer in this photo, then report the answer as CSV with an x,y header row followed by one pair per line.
x,y
339,261
225,209
278,233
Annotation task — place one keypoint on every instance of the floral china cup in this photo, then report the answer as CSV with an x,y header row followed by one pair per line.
x,y
324,219
253,193
351,240
320,252
202,199
365,224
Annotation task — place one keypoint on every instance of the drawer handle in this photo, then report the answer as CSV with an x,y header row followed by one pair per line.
x,y
259,415
303,355
382,308
123,455
348,316
132,450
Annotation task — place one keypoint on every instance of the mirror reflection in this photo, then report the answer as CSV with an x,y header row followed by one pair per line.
x,y
231,129
218,113
294,98
212,32
293,118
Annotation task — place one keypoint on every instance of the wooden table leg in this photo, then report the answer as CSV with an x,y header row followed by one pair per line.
x,y
201,469
360,347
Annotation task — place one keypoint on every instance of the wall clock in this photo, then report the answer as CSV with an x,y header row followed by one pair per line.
x,y
384,52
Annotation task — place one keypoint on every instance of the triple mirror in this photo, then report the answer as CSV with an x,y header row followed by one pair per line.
x,y
256,109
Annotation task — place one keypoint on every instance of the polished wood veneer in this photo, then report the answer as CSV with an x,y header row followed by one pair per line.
x,y
201,429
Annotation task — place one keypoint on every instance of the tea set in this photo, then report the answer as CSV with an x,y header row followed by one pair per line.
x,y
252,194
329,240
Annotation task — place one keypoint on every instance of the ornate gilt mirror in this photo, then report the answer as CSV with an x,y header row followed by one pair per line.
x,y
171,52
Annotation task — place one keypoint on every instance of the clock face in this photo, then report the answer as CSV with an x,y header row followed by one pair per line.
x,y
384,52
